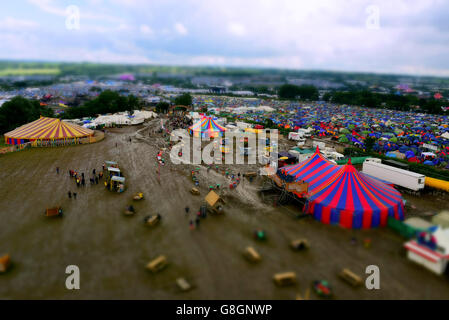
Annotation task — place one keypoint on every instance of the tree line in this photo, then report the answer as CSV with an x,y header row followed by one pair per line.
x,y
19,111
303,92
392,101
107,102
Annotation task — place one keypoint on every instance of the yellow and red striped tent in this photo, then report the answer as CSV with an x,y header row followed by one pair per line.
x,y
46,129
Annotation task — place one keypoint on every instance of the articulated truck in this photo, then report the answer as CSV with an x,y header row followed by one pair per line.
x,y
403,178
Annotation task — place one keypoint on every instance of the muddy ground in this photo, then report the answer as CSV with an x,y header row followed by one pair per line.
x,y
112,250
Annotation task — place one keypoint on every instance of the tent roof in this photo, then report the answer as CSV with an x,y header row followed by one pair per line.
x,y
355,200
212,198
316,170
118,179
206,124
49,128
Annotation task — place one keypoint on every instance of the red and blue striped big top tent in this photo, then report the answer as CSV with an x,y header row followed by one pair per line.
x,y
206,128
316,171
354,200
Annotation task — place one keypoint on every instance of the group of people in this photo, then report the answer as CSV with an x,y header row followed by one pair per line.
x,y
179,121
195,223
81,181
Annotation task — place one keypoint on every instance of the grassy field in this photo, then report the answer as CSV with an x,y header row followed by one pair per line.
x,y
28,71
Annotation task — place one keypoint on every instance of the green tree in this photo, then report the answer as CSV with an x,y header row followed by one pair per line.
x,y
288,91
184,99
133,104
307,92
369,143
269,124
162,107
304,92
107,102
19,111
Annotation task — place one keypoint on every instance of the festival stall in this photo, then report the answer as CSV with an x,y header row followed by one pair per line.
x,y
430,249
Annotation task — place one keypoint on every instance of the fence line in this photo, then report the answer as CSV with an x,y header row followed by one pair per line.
x,y
15,148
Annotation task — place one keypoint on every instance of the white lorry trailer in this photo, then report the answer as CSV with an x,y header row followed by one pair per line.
x,y
403,178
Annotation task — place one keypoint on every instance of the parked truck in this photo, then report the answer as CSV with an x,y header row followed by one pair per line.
x,y
403,178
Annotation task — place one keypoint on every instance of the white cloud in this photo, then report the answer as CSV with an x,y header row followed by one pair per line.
x,y
237,29
146,30
323,34
180,28
17,24
287,62
49,6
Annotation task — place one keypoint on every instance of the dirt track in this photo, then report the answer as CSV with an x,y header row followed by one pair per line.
x,y
112,250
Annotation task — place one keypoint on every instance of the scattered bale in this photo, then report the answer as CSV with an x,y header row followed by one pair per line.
x,y
157,264
183,284
252,255
299,244
152,220
350,277
285,279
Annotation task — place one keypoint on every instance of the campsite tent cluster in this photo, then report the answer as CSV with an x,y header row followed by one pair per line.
x,y
342,195
47,129
397,134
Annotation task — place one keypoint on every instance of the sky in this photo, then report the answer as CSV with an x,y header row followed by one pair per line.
x,y
399,36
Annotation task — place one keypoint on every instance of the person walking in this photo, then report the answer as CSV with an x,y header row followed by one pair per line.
x,y
70,194
83,182
93,171
74,195
57,170
187,210
96,180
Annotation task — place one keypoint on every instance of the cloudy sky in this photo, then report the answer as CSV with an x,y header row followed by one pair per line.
x,y
399,36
